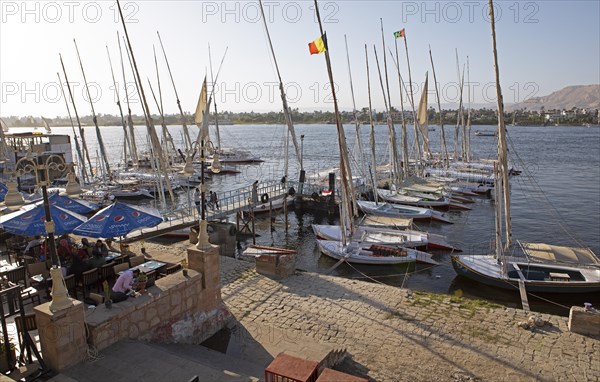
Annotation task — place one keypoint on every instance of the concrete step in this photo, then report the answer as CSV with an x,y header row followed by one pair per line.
x,y
205,356
141,361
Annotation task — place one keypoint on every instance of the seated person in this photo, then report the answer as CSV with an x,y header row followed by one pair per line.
x,y
77,267
125,250
100,249
68,238
64,251
36,241
109,244
123,285
85,250
96,261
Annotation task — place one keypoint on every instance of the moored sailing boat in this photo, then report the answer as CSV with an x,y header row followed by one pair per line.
x,y
511,267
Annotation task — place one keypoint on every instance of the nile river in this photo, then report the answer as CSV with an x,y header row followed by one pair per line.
x,y
563,161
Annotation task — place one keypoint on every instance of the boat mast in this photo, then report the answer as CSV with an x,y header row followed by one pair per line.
x,y
348,205
186,133
423,118
396,173
502,149
149,122
288,117
95,119
133,147
437,95
468,126
404,136
167,137
212,79
77,147
356,122
393,152
498,215
125,135
459,111
372,135
412,103
81,133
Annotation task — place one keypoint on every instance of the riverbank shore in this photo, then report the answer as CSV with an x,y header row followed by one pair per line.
x,y
395,334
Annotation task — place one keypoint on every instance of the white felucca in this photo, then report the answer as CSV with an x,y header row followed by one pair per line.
x,y
539,267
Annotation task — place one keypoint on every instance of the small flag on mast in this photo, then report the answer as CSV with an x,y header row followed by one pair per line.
x,y
399,34
319,45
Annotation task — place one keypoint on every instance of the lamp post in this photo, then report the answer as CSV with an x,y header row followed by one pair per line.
x,y
206,146
41,167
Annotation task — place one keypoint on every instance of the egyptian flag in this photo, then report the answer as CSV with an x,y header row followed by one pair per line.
x,y
319,45
399,34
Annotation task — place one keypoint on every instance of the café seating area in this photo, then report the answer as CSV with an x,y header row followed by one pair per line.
x,y
31,269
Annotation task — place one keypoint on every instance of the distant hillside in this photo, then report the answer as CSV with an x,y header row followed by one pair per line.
x,y
580,96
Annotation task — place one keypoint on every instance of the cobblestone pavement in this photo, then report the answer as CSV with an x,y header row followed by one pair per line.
x,y
397,335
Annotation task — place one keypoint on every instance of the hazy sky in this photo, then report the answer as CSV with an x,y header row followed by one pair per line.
x,y
542,46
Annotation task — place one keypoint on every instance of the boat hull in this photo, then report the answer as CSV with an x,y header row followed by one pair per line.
x,y
540,286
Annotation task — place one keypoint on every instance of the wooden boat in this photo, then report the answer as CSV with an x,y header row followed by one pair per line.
x,y
373,254
537,277
412,200
274,204
542,267
376,235
402,211
385,221
484,133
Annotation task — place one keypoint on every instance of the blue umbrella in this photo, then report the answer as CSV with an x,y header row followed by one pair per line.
x,y
3,191
119,219
74,205
30,221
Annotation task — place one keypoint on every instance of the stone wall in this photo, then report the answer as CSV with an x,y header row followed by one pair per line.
x,y
178,308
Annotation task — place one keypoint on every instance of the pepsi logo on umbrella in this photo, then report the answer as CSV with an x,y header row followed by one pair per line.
x,y
119,218
101,218
27,216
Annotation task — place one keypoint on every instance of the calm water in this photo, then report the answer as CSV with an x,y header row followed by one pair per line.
x,y
563,161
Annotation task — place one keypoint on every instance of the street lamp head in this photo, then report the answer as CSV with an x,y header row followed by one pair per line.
x,y
188,170
216,164
73,188
13,199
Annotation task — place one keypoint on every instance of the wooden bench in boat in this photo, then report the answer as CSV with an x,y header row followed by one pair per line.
x,y
556,276
383,251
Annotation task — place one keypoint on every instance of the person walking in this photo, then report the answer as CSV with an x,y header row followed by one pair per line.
x,y
210,201
214,200
255,192
197,200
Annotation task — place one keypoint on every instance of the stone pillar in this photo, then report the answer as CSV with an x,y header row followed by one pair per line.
x,y
207,263
62,335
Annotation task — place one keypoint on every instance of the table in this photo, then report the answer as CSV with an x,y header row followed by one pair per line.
x,y
149,266
111,256
5,267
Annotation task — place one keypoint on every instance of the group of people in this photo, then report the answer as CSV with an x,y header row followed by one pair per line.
x,y
77,258
212,202
82,257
